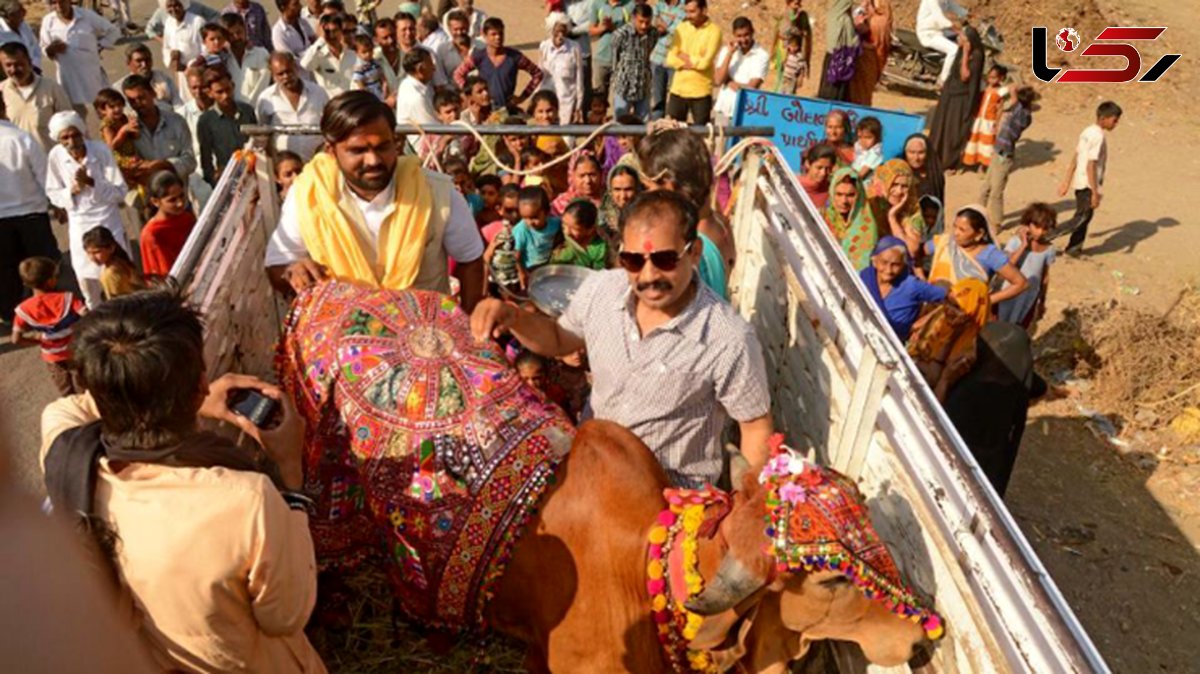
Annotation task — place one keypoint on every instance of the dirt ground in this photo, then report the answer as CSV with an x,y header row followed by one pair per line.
x,y
1118,527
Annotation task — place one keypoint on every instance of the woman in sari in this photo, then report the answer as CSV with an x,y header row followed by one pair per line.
x,y
877,44
842,43
954,115
818,163
925,166
838,134
850,217
943,341
895,203
895,289
967,251
585,183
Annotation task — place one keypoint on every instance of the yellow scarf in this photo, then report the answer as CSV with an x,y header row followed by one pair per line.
x,y
335,233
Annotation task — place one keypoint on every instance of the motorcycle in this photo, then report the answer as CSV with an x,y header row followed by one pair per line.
x,y
916,67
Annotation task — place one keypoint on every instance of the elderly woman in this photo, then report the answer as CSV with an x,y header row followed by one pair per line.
x,y
83,179
585,183
925,166
563,62
850,218
896,204
891,283
73,37
968,251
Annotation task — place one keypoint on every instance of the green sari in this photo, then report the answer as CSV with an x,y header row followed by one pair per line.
x,y
859,232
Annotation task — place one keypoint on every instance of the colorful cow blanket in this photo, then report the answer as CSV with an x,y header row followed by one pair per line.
x,y
423,443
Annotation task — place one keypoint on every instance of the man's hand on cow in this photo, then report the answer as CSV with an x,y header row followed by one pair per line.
x,y
216,403
303,274
491,317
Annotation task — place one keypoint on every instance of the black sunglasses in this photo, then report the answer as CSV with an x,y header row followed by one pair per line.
x,y
664,260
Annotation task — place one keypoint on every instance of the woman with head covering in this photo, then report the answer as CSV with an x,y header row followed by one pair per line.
x,y
969,251
850,218
895,202
950,127
819,161
897,292
877,44
623,185
990,403
925,166
942,343
83,179
842,50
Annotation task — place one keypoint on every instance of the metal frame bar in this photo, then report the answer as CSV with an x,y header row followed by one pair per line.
x,y
517,130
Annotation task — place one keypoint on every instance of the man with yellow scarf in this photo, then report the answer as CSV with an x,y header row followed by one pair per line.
x,y
362,213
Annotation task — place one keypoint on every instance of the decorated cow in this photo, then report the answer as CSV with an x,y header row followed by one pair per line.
x,y
490,509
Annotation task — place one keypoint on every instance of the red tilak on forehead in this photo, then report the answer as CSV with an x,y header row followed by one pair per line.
x,y
647,246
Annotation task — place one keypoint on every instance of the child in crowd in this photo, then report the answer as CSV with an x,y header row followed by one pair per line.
x,y
118,275
163,236
288,165
1031,252
457,170
47,318
983,130
1085,175
544,109
119,133
538,374
1012,126
534,235
868,150
489,192
532,159
795,66
579,243
477,101
501,254
448,106
214,47
368,75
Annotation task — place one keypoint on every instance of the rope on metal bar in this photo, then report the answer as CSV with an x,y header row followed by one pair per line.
x,y
579,147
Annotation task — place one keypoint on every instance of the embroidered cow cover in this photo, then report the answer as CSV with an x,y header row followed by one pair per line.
x,y
423,443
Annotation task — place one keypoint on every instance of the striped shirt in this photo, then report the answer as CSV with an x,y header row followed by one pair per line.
x,y
675,387
53,315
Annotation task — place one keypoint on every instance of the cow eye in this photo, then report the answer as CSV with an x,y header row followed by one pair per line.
x,y
835,582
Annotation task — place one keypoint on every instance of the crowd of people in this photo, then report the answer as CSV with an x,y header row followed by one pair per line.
x,y
473,216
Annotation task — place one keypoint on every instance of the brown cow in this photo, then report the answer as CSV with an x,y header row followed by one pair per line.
x,y
575,590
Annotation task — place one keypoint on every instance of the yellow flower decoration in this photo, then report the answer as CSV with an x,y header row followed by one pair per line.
x,y
658,535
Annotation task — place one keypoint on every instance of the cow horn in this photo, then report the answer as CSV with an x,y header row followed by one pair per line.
x,y
732,584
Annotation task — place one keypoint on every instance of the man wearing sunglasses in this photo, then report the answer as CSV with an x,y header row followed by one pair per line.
x,y
670,360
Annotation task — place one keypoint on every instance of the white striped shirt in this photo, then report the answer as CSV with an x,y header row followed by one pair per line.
x,y
677,386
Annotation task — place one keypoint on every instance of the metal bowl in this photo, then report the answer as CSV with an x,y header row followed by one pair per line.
x,y
552,286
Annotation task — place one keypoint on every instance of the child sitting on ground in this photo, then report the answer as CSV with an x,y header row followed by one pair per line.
x,y
489,192
1031,252
163,236
868,150
118,275
579,243
288,165
47,318
368,75
534,235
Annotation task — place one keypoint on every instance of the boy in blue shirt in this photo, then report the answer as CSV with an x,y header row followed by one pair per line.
x,y
533,237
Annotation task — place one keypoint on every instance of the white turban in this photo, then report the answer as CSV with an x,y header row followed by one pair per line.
x,y
61,121
555,18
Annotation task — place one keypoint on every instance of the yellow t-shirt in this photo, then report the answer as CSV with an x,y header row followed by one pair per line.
x,y
701,45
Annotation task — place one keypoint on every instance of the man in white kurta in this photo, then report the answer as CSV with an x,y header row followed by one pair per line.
x,y
72,37
82,178
182,41
291,100
14,29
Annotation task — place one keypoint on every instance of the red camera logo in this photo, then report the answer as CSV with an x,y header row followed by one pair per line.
x,y
1116,43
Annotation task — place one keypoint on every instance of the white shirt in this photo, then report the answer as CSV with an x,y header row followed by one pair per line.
x,y
79,70
475,30
931,15
275,108
436,39
95,206
183,36
392,75
564,69
1092,146
461,240
744,68
22,173
26,37
414,102
253,75
333,74
289,38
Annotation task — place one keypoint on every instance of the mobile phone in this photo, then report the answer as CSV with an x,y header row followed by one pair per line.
x,y
253,405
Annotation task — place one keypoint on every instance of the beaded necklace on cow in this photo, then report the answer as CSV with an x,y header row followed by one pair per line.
x,y
816,520
680,524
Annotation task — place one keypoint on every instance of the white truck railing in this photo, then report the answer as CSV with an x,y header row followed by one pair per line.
x,y
842,385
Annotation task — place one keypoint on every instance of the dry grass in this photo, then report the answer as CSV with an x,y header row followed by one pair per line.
x,y
376,644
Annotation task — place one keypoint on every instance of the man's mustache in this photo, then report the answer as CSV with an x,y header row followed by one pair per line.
x,y
661,286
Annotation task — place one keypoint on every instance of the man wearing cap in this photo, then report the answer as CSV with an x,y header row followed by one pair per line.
x,y
362,213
